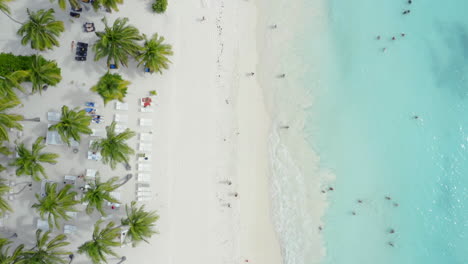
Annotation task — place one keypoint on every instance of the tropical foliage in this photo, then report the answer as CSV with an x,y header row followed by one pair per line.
x,y
4,206
107,4
29,161
140,223
55,205
4,7
98,193
8,120
111,87
4,151
159,6
63,3
101,243
154,54
117,43
42,30
10,81
5,257
45,251
42,73
72,124
114,148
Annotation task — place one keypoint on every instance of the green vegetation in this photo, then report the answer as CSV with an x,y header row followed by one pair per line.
x,y
114,148
117,43
42,30
72,124
29,161
155,53
8,120
44,73
46,251
159,6
98,193
4,206
5,257
4,7
107,4
55,204
63,4
153,92
4,151
101,243
140,223
10,81
111,87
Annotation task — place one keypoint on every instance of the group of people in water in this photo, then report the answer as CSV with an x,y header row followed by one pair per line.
x,y
405,12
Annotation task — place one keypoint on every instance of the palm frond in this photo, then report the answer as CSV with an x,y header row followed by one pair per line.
x,y
155,54
101,243
111,87
140,223
72,124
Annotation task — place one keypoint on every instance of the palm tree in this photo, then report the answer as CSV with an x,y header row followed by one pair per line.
x,y
4,7
8,120
73,4
111,87
43,73
117,42
5,257
29,162
155,53
114,148
45,251
10,81
72,124
101,243
56,205
98,193
4,206
41,30
5,151
107,4
140,223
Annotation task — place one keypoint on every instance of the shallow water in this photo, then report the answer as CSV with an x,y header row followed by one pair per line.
x,y
363,128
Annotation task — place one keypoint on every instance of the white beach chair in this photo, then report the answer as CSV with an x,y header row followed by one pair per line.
x,y
121,118
90,173
69,179
146,122
69,229
117,196
143,189
73,215
121,106
119,128
143,194
94,155
143,177
146,137
143,198
53,116
147,109
98,132
145,146
144,167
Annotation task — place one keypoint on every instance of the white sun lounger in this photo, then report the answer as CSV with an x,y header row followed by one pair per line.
x,y
144,167
146,122
121,118
90,173
94,155
53,116
98,132
121,106
145,146
143,194
69,229
146,137
119,128
147,109
143,177
143,198
143,189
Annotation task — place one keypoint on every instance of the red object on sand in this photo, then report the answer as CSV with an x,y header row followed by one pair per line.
x,y
146,101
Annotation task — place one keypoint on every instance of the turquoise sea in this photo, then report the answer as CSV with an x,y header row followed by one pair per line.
x,y
393,124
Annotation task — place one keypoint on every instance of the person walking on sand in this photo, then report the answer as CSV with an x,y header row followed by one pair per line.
x,y
235,194
202,19
251,74
228,182
72,45
282,75
274,26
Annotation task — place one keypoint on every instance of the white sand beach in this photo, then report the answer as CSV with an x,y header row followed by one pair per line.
x,y
209,127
